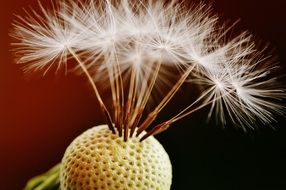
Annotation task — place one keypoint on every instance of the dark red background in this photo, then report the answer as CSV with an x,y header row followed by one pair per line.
x,y
40,116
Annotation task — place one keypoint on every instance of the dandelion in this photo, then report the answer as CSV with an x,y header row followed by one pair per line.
x,y
132,46
47,39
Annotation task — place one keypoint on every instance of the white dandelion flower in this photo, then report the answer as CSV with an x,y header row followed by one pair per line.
x,y
129,45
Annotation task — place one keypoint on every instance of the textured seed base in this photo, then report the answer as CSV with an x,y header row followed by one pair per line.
x,y
100,160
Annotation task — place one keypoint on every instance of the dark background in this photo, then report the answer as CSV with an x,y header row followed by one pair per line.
x,y
40,116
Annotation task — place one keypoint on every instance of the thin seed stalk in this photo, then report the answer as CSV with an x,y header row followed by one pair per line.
x,y
129,103
152,116
119,94
147,94
102,105
165,125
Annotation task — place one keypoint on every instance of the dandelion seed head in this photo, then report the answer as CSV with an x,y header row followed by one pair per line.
x,y
132,45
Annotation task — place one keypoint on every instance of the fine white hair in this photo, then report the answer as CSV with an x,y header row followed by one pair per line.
x,y
130,43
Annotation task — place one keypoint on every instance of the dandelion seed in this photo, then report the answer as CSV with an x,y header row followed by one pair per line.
x,y
43,39
129,45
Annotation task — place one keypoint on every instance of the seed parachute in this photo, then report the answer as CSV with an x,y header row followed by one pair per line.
x,y
130,45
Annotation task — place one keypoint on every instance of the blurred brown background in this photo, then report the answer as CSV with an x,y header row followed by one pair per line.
x,y
40,116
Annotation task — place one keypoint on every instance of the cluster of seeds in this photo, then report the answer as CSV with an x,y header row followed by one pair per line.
x,y
132,45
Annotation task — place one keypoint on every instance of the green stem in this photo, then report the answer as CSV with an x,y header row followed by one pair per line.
x,y
46,181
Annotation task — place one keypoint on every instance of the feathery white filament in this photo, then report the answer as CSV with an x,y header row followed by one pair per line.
x,y
130,44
